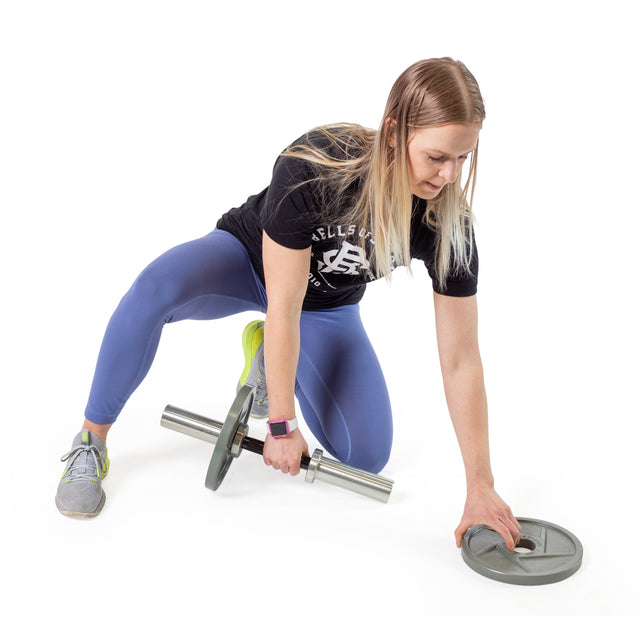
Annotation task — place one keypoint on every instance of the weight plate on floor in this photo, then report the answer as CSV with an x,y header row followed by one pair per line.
x,y
222,458
546,553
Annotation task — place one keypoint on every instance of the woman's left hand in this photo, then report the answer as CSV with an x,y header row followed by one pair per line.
x,y
485,506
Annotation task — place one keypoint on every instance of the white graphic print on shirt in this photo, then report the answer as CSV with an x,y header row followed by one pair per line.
x,y
346,260
334,255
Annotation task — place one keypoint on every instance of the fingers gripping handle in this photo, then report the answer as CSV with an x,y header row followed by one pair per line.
x,y
317,466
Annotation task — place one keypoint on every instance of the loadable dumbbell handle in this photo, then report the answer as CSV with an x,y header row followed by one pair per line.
x,y
317,466
257,446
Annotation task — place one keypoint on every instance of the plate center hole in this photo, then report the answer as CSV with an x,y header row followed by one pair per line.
x,y
525,546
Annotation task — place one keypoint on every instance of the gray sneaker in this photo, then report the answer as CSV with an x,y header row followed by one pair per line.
x,y
253,373
80,493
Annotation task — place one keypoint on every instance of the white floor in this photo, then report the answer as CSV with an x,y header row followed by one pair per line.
x,y
115,140
166,546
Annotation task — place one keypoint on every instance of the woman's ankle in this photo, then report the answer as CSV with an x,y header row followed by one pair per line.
x,y
100,430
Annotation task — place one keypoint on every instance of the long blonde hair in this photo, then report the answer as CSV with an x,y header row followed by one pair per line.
x,y
430,93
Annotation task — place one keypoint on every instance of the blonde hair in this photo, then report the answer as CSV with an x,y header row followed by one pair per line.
x,y
430,93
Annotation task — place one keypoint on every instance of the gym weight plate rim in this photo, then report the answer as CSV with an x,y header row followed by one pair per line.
x,y
221,458
553,553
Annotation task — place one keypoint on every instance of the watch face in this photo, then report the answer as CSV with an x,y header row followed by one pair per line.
x,y
278,429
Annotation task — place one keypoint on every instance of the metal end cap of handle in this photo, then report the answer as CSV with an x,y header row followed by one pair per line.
x,y
310,476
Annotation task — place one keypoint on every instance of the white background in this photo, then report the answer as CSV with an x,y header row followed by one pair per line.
x,y
128,127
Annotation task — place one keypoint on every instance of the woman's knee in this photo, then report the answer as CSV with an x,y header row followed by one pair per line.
x,y
154,291
371,455
363,445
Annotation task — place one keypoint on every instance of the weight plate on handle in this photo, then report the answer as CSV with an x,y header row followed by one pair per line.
x,y
546,553
222,457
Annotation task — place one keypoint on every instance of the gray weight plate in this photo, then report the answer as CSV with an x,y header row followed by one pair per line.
x,y
221,458
546,553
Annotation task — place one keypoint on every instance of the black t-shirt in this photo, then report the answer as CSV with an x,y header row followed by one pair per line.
x,y
290,212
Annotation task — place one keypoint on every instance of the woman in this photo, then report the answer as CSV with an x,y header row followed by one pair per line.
x,y
345,206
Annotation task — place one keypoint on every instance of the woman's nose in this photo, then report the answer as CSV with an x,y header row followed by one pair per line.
x,y
449,171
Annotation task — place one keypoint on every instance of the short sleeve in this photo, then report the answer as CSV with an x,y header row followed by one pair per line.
x,y
458,285
289,212
423,246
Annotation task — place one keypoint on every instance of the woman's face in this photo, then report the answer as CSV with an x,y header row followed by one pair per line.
x,y
436,156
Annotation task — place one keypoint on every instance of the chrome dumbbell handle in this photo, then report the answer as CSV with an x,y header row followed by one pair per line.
x,y
318,467
191,424
342,475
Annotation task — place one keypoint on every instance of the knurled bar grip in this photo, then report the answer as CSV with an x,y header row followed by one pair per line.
x,y
318,467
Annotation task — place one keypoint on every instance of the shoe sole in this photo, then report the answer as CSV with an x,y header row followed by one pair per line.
x,y
247,348
83,516
247,339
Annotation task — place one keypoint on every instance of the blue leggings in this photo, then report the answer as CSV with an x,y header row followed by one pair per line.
x,y
339,383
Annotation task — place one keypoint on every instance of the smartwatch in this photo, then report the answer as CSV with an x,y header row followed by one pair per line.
x,y
282,428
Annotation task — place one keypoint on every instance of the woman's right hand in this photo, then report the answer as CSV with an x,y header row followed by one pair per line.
x,y
285,453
